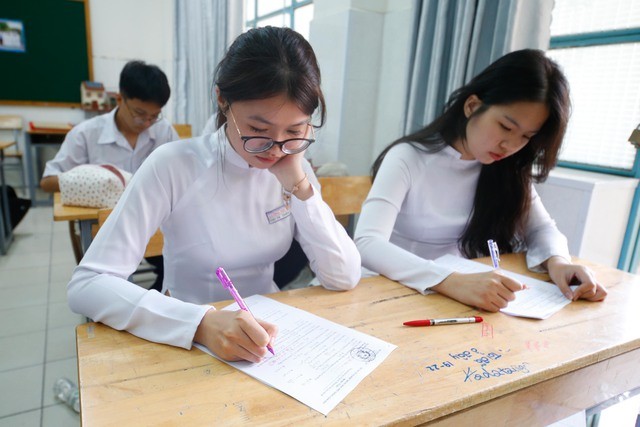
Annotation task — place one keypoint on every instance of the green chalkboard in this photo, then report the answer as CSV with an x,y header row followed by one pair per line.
x,y
57,54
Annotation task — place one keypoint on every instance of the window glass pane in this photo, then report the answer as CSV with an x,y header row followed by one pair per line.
x,y
282,20
585,16
604,84
268,6
302,20
250,9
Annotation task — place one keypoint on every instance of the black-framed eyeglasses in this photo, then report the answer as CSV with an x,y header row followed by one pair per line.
x,y
260,144
141,117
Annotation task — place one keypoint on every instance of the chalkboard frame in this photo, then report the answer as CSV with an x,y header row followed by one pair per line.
x,y
35,33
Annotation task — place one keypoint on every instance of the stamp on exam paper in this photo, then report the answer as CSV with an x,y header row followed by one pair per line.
x,y
363,354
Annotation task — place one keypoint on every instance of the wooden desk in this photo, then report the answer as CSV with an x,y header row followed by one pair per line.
x,y
33,140
86,217
537,372
6,231
89,218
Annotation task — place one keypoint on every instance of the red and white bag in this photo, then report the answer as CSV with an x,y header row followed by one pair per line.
x,y
93,186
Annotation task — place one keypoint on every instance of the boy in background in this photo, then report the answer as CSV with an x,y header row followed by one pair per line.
x,y
122,138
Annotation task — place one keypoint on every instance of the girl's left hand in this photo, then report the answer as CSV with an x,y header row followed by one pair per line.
x,y
288,168
289,172
563,273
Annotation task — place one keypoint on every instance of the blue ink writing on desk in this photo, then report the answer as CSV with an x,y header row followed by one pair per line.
x,y
476,365
494,252
483,373
228,284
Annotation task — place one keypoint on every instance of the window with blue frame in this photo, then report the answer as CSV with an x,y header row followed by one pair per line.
x,y
597,43
296,14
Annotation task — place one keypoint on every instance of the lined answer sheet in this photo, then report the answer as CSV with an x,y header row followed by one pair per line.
x,y
317,362
539,301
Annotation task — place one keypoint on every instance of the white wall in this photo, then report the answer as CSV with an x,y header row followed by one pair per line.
x,y
591,210
123,30
363,52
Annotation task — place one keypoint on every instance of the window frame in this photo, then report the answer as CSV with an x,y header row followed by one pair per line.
x,y
287,10
630,252
600,38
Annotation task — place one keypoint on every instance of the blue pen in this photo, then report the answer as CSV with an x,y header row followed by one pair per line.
x,y
494,252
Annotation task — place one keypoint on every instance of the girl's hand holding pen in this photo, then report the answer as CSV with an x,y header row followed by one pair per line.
x,y
235,335
489,291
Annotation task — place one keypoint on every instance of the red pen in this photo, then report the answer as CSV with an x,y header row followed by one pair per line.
x,y
451,321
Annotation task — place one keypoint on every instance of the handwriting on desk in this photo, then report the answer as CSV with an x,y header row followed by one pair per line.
x,y
484,365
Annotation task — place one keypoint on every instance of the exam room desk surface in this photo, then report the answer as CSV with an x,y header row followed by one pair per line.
x,y
543,370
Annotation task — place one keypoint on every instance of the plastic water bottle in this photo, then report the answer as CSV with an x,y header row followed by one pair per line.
x,y
66,391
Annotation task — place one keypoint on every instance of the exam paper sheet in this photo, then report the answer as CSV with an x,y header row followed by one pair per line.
x,y
539,301
317,362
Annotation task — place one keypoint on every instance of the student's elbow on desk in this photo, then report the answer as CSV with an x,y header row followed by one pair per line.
x,y
73,290
50,184
342,279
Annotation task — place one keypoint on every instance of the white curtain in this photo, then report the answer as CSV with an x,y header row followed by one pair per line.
x,y
204,30
456,39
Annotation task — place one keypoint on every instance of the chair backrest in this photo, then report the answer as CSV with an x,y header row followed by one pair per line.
x,y
345,194
154,246
184,130
11,123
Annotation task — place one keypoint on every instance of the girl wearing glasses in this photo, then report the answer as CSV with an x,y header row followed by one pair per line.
x,y
467,178
235,198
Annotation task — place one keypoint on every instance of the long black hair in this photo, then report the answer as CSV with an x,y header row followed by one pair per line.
x,y
503,193
267,61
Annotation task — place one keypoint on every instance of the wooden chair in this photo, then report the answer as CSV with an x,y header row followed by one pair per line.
x,y
154,246
345,195
184,130
14,124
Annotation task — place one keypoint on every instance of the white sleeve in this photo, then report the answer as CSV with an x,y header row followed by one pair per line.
x,y
543,238
332,254
72,152
211,126
375,225
173,134
99,288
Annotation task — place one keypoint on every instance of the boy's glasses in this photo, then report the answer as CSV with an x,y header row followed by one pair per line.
x,y
260,144
140,117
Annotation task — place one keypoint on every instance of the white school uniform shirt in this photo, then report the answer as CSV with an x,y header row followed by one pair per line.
x,y
98,141
214,211
211,125
417,210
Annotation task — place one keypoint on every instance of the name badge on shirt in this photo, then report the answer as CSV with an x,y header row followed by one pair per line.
x,y
278,214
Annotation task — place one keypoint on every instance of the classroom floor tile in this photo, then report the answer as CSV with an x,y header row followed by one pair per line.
x,y
25,419
18,321
20,351
65,368
59,415
22,390
15,277
37,328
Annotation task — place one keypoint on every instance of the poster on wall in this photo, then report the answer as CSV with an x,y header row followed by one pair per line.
x,y
12,36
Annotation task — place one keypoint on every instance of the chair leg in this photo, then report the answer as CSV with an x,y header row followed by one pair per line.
x,y
76,243
22,174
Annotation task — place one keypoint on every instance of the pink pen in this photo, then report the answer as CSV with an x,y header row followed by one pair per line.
x,y
228,284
